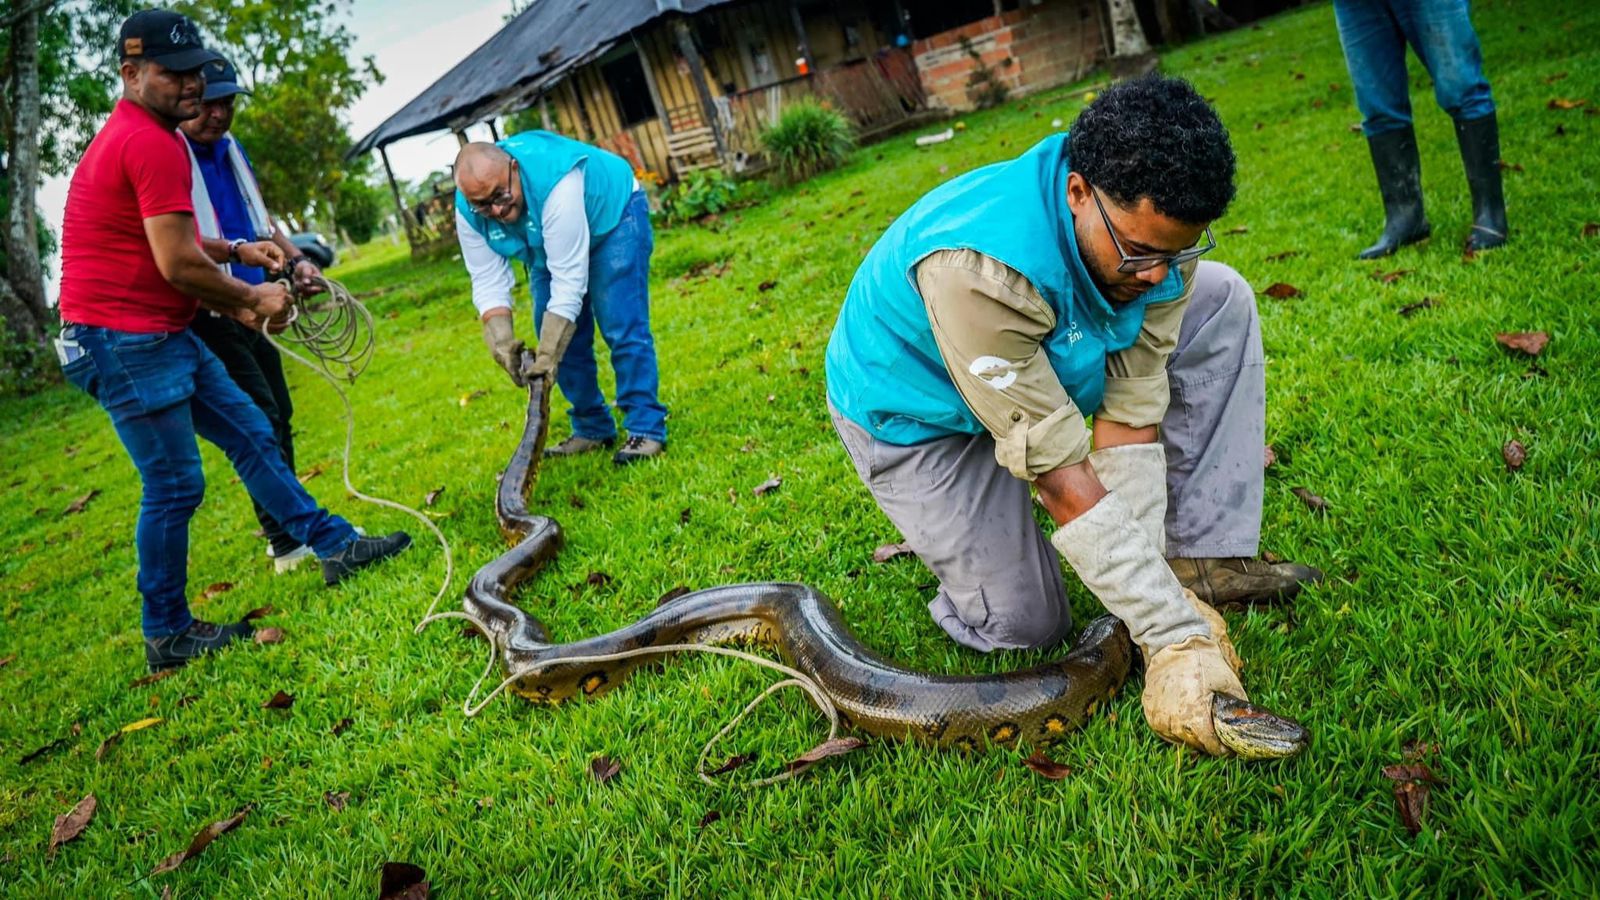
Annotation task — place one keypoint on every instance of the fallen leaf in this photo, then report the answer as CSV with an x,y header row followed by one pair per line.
x,y
1564,103
1419,749
1269,457
1411,801
672,595
684,515
604,768
8,660
709,817
403,881
1514,454
1278,290
468,398
1504,166
77,505
340,726
1391,277
337,801
1561,131
576,502
280,700
152,678
58,742
260,612
771,484
1280,257
1529,342
432,496
185,701
1552,79
1268,556
765,286
212,590
269,636
72,823
312,472
734,762
1415,771
201,841
1313,502
748,446
889,551
1238,229
835,747
1047,767
597,579
1590,229
1411,309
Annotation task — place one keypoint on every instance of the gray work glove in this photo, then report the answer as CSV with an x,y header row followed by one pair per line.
x,y
555,333
1138,472
504,347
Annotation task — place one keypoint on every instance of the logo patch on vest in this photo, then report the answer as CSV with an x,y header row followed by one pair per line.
x,y
994,371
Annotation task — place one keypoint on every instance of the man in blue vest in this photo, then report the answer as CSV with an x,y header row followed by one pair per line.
x,y
1011,302
575,217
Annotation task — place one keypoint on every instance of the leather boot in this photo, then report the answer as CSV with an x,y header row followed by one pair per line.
x,y
1480,155
1394,158
1241,582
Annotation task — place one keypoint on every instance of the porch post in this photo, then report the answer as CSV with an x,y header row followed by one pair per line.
x,y
697,74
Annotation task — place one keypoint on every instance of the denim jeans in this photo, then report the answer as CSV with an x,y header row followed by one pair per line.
x,y
161,390
619,302
1375,34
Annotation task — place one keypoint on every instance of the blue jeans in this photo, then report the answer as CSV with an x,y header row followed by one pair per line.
x,y
619,302
160,391
1375,34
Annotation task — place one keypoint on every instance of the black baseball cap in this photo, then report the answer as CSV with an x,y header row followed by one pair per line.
x,y
163,36
222,80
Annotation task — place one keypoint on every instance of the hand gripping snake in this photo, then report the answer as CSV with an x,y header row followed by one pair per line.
x,y
1034,706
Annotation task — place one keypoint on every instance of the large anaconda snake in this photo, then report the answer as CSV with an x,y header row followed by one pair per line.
x,y
1033,706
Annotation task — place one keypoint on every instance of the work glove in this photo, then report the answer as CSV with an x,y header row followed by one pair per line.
x,y
504,347
555,333
1138,472
1183,642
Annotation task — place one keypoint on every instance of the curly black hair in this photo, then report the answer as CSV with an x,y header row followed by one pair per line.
x,y
1155,137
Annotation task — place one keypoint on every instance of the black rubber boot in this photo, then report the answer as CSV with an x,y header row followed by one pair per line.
x,y
1480,155
200,638
1394,158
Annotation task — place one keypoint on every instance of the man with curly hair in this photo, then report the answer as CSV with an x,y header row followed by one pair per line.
x,y
1006,306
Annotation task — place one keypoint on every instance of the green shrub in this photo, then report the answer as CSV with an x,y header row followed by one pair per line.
x,y
700,193
808,139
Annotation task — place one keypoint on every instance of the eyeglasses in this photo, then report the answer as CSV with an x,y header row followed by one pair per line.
x,y
1132,264
501,197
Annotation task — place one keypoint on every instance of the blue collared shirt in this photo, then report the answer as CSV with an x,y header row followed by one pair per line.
x,y
227,199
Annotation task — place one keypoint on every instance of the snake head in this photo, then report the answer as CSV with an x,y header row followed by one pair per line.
x,y
1254,732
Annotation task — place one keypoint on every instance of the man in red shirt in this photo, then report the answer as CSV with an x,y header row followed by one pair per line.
x,y
133,272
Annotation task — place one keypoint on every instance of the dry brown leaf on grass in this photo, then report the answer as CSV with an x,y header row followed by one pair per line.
x,y
765,286
72,823
1313,502
1590,229
201,841
468,398
708,818
1046,767
312,472
1390,277
672,595
340,726
403,881
1565,103
212,590
260,612
1269,457
604,768
684,515
432,496
1530,342
1238,229
280,700
1279,290
768,486
1283,255
822,751
337,801
153,678
269,636
887,552
1411,788
1411,309
129,728
734,762
77,505
1514,454
6,661
35,754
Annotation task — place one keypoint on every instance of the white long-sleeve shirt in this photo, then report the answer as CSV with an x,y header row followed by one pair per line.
x,y
564,223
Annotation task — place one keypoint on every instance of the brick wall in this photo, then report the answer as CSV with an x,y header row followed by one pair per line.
x,y
1028,49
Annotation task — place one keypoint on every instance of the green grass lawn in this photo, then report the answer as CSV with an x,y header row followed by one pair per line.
x,y
1461,609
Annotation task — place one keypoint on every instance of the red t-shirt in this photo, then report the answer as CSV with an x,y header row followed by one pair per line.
x,y
135,168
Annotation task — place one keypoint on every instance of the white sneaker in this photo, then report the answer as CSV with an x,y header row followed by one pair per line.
x,y
291,560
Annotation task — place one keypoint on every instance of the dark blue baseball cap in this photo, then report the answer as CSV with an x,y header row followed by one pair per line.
x,y
163,36
222,80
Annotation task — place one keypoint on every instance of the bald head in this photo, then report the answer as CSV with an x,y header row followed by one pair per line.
x,y
486,176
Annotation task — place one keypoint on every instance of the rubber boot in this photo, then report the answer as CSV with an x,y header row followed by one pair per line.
x,y
1394,158
1480,155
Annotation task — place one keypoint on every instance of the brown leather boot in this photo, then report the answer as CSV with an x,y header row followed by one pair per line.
x,y
1241,582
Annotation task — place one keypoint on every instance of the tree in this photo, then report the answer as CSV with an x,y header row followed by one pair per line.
x,y
361,204
59,75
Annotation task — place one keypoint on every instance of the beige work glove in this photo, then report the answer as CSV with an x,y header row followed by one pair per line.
x,y
504,347
555,333
1183,646
1139,473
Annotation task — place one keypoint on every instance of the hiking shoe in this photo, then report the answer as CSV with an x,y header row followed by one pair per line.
x,y
199,638
1241,581
574,445
360,553
637,448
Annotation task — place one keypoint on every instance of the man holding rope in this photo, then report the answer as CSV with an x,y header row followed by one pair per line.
x,y
1006,305
228,205
133,269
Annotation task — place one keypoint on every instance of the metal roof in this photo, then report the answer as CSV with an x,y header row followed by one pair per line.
x,y
534,50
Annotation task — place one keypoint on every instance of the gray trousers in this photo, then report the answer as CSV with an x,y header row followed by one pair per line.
x,y
972,523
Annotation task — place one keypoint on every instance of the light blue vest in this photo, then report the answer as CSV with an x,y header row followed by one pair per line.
x,y
884,369
543,158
